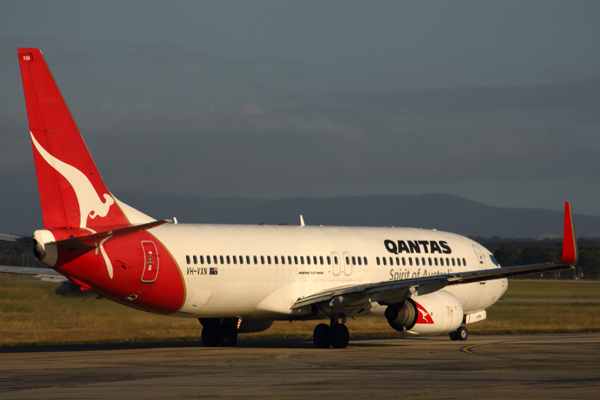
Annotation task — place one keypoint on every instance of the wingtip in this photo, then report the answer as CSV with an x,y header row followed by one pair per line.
x,y
569,253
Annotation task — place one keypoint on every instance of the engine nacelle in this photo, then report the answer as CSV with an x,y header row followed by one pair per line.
x,y
44,247
438,312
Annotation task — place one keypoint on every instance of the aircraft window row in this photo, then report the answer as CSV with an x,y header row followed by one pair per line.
x,y
309,260
423,261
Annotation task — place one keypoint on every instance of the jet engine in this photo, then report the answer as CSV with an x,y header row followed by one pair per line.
x,y
437,312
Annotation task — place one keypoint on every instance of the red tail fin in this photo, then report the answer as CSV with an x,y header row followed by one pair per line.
x,y
72,192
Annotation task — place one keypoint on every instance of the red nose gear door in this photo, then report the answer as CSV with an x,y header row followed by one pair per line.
x,y
150,262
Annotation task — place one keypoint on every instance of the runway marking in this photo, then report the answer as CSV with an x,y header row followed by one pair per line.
x,y
467,350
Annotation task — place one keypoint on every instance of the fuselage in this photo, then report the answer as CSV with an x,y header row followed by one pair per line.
x,y
258,272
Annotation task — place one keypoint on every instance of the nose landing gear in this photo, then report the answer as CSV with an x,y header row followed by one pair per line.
x,y
460,334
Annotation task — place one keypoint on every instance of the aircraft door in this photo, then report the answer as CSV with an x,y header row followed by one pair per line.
x,y
347,260
480,257
150,262
480,260
337,263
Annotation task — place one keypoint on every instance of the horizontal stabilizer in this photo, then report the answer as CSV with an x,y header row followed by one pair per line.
x,y
45,274
16,239
90,241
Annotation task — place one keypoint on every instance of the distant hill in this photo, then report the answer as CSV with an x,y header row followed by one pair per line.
x,y
439,211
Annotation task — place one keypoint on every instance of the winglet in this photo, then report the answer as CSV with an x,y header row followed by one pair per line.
x,y
569,255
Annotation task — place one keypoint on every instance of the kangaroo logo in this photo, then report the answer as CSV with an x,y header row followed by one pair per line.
x,y
424,317
90,204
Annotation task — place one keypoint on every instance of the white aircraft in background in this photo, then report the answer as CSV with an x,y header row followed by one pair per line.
x,y
241,278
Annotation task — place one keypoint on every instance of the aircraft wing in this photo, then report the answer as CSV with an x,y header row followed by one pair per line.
x,y
45,274
390,292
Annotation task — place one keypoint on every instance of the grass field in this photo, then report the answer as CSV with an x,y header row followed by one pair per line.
x,y
30,313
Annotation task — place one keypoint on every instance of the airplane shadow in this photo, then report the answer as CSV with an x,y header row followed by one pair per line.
x,y
242,343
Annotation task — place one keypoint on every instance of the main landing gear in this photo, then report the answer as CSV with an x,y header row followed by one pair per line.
x,y
216,332
335,335
459,334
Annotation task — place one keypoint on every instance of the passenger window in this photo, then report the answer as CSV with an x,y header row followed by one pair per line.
x,y
228,260
215,260
391,261
335,260
262,260
269,260
397,260
365,258
308,260
255,260
464,262
384,261
195,259
187,259
423,260
417,261
410,261
315,260
248,260
453,264
435,261
275,259
430,264
403,261
201,259
283,259
359,261
208,259
221,257
296,260
321,259
458,262
302,260
234,259
353,260
347,260
377,260
328,260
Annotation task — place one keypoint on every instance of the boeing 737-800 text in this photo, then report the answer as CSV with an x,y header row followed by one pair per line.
x,y
240,278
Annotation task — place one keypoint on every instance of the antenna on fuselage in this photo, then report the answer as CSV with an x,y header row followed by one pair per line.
x,y
301,220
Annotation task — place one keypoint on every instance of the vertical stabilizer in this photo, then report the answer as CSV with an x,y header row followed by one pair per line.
x,y
72,192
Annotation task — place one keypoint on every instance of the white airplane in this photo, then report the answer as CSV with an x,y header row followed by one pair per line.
x,y
241,278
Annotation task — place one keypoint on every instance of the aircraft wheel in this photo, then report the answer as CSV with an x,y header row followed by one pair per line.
x,y
227,334
339,336
210,336
453,335
462,333
321,336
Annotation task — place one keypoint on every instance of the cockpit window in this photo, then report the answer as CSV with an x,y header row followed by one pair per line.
x,y
494,260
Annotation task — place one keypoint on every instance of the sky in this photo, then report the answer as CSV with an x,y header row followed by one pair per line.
x,y
496,102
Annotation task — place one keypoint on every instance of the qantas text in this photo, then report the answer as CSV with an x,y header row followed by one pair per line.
x,y
417,246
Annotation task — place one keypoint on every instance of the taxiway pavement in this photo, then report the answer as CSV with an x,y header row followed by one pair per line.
x,y
512,366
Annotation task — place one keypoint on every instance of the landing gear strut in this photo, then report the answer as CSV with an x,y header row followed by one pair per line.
x,y
218,333
335,335
460,334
